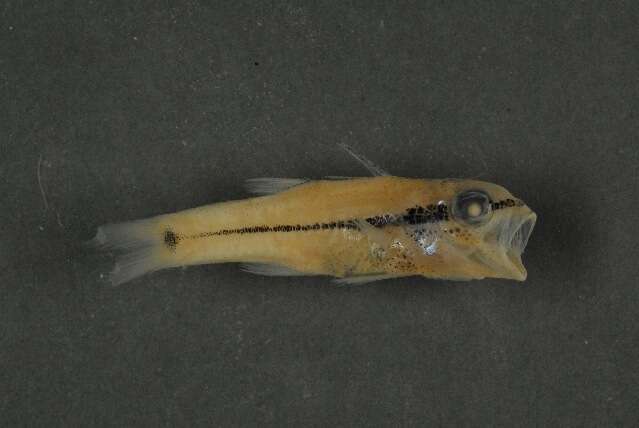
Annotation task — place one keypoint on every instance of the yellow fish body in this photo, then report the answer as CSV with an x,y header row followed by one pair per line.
x,y
359,230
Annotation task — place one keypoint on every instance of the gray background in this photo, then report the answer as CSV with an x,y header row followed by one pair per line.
x,y
125,110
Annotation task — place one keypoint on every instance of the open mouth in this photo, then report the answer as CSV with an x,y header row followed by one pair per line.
x,y
517,238
505,244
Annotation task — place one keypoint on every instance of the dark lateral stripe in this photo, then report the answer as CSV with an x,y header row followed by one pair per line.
x,y
413,216
506,203
430,214
279,228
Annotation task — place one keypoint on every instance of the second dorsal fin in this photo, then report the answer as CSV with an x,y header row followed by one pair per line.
x,y
271,185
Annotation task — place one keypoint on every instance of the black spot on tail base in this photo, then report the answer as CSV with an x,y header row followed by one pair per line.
x,y
171,239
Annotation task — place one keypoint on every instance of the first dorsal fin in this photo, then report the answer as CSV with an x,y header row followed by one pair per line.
x,y
370,166
271,185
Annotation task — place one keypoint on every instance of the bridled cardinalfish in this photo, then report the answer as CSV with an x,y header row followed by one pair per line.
x,y
356,229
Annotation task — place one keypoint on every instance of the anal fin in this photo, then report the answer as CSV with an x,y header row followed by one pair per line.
x,y
364,279
268,269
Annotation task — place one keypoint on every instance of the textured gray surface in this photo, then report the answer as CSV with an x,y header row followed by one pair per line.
x,y
132,110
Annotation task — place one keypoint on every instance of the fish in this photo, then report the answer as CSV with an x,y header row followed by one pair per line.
x,y
354,229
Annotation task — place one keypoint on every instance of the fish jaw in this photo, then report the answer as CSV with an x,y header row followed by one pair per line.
x,y
503,247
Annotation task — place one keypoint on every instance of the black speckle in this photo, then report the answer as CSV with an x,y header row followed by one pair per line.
x,y
256,63
171,239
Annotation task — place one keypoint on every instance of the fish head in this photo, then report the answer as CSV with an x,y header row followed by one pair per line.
x,y
485,232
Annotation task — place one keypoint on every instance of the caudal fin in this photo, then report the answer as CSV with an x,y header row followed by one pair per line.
x,y
137,245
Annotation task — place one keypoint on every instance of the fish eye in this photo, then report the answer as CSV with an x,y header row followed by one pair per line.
x,y
472,206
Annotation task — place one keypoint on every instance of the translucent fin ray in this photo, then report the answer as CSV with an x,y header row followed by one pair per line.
x,y
268,269
271,185
364,279
136,247
370,166
337,177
